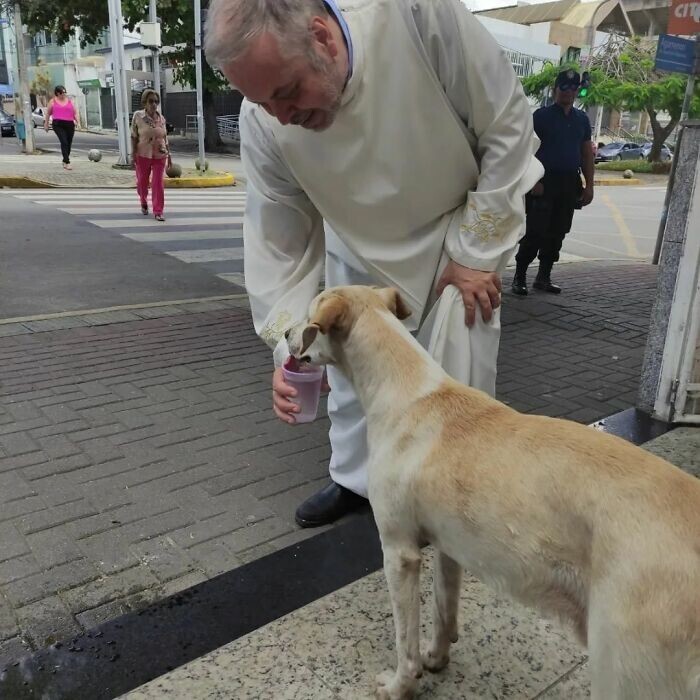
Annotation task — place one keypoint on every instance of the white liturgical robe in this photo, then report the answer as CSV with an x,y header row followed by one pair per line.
x,y
429,158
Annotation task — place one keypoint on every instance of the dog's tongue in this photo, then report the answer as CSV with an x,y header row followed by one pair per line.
x,y
292,364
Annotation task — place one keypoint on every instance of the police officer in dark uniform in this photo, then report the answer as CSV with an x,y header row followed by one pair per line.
x,y
565,152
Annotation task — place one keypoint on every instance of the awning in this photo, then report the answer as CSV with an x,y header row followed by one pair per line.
x,y
6,89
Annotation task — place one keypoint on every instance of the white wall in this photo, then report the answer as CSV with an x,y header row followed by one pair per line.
x,y
520,37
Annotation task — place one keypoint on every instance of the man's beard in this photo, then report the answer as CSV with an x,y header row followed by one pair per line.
x,y
330,88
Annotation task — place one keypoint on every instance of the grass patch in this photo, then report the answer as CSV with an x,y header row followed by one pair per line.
x,y
637,166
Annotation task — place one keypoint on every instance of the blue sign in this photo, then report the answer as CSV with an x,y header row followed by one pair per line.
x,y
674,54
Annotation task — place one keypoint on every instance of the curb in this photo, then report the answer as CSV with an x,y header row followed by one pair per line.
x,y
221,180
23,182
616,181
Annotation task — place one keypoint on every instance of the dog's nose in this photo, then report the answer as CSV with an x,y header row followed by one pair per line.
x,y
286,333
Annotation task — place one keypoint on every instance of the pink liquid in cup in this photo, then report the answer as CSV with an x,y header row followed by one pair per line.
x,y
306,379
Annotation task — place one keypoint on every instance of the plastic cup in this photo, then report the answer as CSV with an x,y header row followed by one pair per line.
x,y
307,381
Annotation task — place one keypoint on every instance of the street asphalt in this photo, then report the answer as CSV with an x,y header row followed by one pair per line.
x,y
52,262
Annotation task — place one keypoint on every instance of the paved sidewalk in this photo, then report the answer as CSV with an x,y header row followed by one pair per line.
x,y
46,168
139,455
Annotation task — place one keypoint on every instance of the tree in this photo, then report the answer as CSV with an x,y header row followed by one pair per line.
x,y
61,17
623,77
41,85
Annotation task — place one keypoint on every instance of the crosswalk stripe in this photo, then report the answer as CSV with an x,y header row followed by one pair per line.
x,y
152,223
134,208
64,193
199,217
164,236
128,196
208,255
235,277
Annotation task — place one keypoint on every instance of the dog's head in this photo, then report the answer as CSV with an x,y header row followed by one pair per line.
x,y
332,316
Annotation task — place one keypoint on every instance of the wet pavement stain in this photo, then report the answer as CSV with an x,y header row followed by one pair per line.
x,y
124,653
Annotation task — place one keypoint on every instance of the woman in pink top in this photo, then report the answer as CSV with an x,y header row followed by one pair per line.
x,y
149,144
65,119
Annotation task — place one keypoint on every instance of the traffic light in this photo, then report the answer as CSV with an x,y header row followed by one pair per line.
x,y
585,84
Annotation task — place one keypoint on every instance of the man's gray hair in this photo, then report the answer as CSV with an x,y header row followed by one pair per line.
x,y
232,24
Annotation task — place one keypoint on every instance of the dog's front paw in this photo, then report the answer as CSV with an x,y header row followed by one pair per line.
x,y
391,687
435,661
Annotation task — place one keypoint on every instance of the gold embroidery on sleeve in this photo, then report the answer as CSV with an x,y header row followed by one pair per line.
x,y
486,226
273,330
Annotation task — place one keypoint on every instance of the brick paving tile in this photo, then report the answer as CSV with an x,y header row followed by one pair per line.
x,y
141,457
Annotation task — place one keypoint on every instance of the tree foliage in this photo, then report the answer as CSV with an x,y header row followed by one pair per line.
x,y
41,85
62,17
623,78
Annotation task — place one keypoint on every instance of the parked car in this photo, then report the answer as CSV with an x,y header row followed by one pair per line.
x,y
666,152
168,126
7,124
619,150
38,116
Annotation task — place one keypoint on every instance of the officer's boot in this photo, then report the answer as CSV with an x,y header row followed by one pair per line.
x,y
543,280
519,285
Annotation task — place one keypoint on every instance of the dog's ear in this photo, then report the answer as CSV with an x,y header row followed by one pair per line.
x,y
308,336
394,302
330,314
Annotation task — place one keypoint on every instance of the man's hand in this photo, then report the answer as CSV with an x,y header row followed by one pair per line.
x,y
537,190
281,394
477,288
587,196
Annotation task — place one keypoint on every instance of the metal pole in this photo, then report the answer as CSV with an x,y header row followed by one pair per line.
x,y
689,88
116,28
598,123
198,69
152,17
29,146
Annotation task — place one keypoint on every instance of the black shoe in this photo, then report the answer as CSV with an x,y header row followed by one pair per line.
x,y
519,286
545,285
326,506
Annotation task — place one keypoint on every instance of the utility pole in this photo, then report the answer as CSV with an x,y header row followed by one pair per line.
x,y
685,109
690,85
23,83
116,30
152,17
198,69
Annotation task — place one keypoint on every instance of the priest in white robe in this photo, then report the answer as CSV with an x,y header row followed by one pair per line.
x,y
390,141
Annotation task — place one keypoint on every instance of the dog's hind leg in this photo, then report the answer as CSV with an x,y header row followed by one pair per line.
x,y
446,585
402,570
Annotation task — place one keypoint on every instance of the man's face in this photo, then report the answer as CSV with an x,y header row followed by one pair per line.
x,y
304,90
565,97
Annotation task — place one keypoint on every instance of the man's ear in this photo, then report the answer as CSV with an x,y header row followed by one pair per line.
x,y
330,314
307,337
394,302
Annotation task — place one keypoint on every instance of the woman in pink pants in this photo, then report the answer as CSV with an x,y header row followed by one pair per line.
x,y
149,144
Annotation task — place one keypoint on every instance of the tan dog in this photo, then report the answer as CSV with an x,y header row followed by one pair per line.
x,y
573,522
